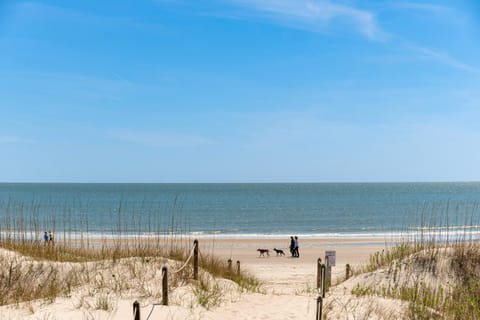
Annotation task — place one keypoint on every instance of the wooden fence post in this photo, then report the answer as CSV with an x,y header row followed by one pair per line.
x,y
323,280
328,274
229,265
136,310
347,271
238,267
319,308
195,260
165,286
319,273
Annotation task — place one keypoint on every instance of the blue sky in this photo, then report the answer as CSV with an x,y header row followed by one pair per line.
x,y
239,91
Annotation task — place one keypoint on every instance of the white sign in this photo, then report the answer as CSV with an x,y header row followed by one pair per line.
x,y
331,257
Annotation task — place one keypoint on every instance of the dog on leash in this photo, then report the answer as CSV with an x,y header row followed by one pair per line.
x,y
263,252
279,252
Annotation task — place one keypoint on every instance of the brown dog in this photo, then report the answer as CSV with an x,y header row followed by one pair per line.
x,y
263,252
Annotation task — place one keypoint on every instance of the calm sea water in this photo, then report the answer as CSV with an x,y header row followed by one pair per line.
x,y
323,209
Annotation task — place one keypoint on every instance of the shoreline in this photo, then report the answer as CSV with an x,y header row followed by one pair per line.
x,y
434,233
393,236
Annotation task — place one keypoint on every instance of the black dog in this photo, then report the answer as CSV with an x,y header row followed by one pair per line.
x,y
279,252
263,252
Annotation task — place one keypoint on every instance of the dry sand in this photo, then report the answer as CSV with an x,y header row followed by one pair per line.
x,y
288,290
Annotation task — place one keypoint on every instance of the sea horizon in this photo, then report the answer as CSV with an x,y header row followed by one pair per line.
x,y
244,182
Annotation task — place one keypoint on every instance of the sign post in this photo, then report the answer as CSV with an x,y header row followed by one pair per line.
x,y
331,254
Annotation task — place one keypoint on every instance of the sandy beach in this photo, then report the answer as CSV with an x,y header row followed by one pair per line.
x,y
288,286
348,250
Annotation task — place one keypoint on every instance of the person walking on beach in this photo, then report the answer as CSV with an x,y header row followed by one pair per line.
x,y
296,254
45,238
50,238
292,246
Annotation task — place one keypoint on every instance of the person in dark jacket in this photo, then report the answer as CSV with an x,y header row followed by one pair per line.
x,y
292,246
296,254
45,238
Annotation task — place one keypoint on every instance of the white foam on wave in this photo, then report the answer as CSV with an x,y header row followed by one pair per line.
x,y
451,233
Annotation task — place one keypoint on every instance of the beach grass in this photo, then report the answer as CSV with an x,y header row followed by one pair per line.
x,y
122,262
56,270
118,261
439,278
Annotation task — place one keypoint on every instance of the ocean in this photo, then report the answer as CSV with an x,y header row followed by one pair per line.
x,y
329,210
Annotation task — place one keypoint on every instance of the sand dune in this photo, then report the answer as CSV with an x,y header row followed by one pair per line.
x,y
288,288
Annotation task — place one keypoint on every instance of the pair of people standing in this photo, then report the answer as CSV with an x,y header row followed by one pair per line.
x,y
294,247
48,237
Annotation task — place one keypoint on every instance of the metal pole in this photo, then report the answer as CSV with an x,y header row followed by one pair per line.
x,y
319,273
164,286
319,308
195,260
238,267
136,310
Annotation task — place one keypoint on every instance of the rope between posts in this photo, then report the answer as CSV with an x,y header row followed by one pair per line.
x,y
186,262
151,310
153,307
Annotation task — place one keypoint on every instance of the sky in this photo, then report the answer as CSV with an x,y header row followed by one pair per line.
x,y
239,91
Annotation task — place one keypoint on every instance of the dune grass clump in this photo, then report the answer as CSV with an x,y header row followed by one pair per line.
x,y
458,299
436,269
464,302
387,257
21,281
30,271
140,240
209,293
219,268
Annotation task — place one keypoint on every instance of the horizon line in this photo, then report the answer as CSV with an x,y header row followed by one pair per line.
x,y
237,182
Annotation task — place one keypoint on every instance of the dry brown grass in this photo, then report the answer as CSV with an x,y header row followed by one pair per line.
x,y
30,271
441,281
121,260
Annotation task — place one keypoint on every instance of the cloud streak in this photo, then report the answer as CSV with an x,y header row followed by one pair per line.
x,y
421,6
445,58
313,14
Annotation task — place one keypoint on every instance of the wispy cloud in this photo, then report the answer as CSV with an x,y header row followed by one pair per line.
x,y
447,14
14,140
313,14
444,58
421,6
154,139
